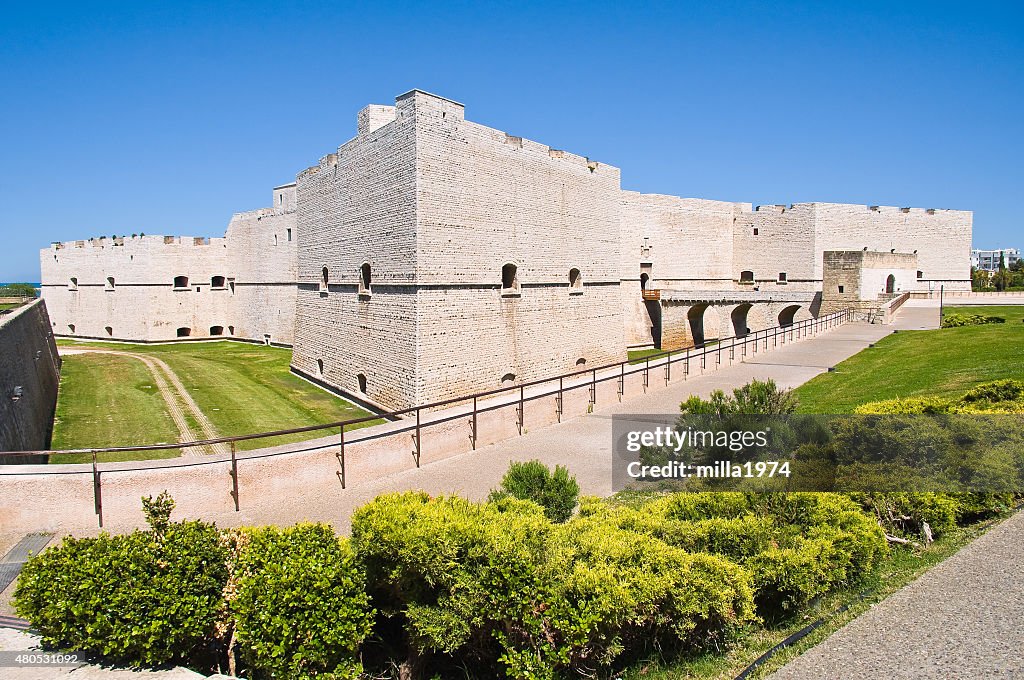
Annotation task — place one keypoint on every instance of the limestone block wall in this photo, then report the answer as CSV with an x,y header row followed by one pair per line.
x,y
242,285
772,240
940,238
29,377
856,278
487,199
358,206
679,243
263,264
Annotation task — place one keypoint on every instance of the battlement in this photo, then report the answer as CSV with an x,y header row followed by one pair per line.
x,y
851,207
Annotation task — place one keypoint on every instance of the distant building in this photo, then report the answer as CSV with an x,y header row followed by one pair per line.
x,y
988,260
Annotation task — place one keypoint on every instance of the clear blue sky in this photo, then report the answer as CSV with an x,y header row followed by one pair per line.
x,y
166,118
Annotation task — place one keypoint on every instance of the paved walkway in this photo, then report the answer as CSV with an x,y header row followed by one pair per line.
x,y
583,444
962,619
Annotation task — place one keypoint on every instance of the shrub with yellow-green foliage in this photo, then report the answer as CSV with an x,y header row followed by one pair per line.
x,y
300,606
501,585
957,320
998,396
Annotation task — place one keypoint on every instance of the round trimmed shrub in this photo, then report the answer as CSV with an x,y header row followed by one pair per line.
x,y
140,599
300,607
557,492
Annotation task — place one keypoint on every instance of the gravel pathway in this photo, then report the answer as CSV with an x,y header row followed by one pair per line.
x,y
962,619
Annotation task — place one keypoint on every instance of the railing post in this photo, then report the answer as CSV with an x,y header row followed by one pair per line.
x,y
522,411
474,423
97,491
686,364
418,450
558,400
622,381
341,455
593,387
647,373
668,368
234,475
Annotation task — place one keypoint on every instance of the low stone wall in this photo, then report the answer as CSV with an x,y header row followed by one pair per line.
x,y
29,376
202,486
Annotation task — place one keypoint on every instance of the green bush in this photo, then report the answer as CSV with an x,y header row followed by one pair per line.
x,y
557,492
449,571
785,579
300,606
607,592
702,505
140,598
955,320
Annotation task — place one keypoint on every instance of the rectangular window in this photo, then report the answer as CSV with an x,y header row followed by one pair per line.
x,y
289,234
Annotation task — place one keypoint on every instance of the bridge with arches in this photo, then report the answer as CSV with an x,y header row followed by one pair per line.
x,y
682,319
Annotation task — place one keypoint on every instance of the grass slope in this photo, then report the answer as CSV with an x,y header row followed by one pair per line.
x,y
242,388
944,362
109,401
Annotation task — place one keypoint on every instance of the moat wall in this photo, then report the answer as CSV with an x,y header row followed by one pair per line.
x,y
29,376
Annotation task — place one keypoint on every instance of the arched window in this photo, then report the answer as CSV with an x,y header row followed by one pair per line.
x,y
320,366
575,282
508,378
581,362
231,330
184,332
509,279
890,284
216,330
110,283
217,282
364,279
645,279
324,278
746,276
181,282
109,330
361,380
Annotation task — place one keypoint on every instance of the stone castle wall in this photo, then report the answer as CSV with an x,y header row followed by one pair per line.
x,y
487,200
383,264
29,375
356,207
793,239
128,288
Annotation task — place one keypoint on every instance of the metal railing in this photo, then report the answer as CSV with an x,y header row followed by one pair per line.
x,y
411,420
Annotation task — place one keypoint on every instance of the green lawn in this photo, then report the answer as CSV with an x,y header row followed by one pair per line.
x,y
242,388
109,401
944,362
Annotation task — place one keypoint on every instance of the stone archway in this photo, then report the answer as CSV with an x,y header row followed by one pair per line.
x,y
695,319
788,315
740,328
654,318
890,284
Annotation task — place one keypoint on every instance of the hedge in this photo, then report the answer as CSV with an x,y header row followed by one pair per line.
x,y
140,598
300,606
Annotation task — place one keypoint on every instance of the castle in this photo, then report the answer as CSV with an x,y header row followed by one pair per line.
x,y
430,257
